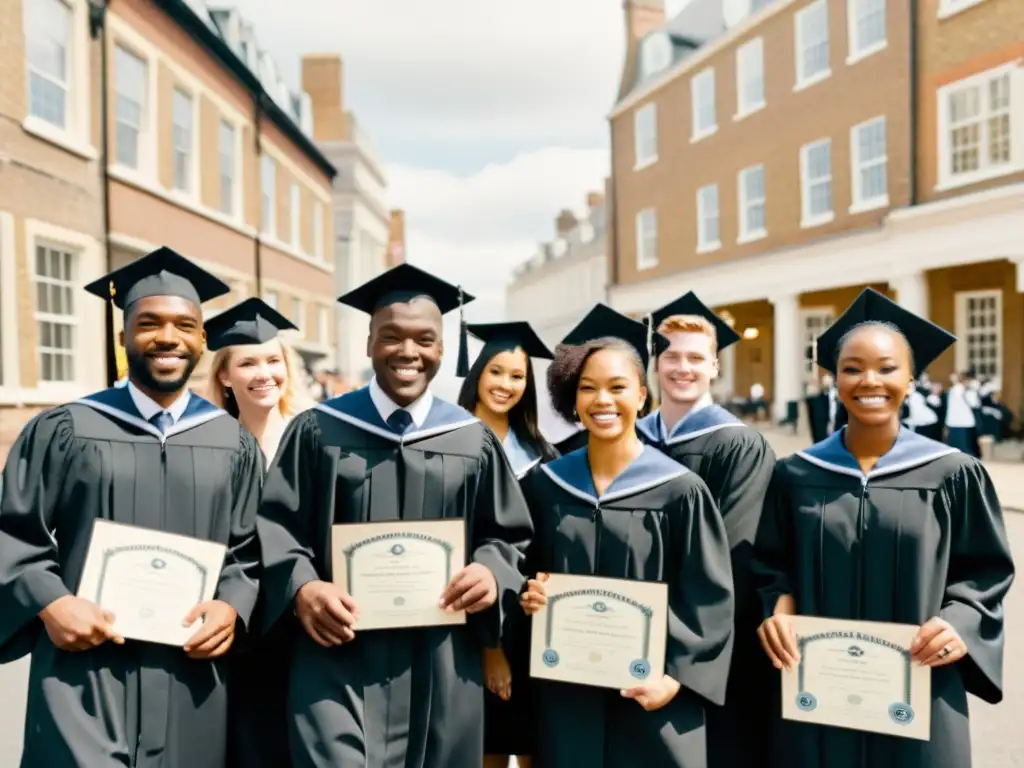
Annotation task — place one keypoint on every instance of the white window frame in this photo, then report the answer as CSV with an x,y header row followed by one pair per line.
x,y
805,80
317,246
807,219
268,208
323,324
964,332
191,189
860,203
295,213
645,135
646,239
298,317
655,54
748,53
142,154
949,8
855,51
71,285
824,317
746,234
229,181
271,298
702,84
704,243
946,179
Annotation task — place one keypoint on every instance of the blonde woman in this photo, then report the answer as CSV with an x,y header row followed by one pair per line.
x,y
254,375
255,378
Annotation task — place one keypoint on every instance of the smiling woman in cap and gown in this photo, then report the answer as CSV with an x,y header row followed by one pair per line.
x,y
149,454
500,389
621,509
736,463
254,377
391,451
878,523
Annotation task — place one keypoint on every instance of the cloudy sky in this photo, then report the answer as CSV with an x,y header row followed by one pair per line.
x,y
489,116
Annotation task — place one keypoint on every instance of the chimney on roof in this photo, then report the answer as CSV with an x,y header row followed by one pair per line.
x,y
642,16
323,80
396,239
594,200
566,222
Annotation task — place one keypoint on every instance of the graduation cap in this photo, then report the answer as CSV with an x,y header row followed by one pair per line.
x,y
518,334
405,283
927,341
689,304
603,321
164,272
252,321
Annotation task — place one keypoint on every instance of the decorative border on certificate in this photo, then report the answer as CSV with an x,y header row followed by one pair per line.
x,y
397,570
598,631
149,579
858,675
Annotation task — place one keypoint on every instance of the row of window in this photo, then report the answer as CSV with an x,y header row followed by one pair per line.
x,y
868,165
49,43
296,312
867,34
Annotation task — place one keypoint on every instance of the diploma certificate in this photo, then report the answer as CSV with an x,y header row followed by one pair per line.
x,y
397,571
859,675
149,579
609,633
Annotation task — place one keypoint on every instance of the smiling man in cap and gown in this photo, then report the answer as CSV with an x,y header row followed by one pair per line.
x,y
149,454
394,698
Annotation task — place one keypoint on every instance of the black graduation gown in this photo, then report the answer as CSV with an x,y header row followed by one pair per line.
x,y
921,535
656,522
817,416
140,704
573,442
736,463
509,725
403,698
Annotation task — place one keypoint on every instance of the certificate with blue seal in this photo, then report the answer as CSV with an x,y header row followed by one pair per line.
x,y
609,633
149,579
397,571
858,675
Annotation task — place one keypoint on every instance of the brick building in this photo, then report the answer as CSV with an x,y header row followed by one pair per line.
x,y
777,156
207,152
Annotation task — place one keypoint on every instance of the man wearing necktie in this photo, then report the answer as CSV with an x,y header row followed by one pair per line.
x,y
411,696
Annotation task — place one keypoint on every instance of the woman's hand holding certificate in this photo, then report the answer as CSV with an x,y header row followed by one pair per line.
x,y
217,633
76,624
327,613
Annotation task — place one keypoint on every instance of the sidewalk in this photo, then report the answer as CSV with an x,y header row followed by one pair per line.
x,y
1008,476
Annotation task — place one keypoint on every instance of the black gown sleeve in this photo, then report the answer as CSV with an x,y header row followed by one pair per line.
x,y
980,572
701,605
239,579
288,517
501,532
739,477
30,577
771,564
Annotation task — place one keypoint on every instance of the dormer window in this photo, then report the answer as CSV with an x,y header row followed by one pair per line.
x,y
655,54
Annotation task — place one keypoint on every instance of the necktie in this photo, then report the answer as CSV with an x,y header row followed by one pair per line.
x,y
162,421
400,421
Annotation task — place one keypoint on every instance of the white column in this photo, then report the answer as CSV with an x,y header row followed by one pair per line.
x,y
9,343
912,292
787,353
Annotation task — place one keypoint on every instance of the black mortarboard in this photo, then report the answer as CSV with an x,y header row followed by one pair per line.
x,y
603,321
163,272
252,321
927,340
689,304
406,282
510,336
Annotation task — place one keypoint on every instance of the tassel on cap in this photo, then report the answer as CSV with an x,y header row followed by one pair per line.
x,y
462,365
111,344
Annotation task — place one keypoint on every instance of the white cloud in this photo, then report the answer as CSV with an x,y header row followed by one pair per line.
x,y
474,229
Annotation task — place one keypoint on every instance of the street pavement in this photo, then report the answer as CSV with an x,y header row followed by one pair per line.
x,y
996,734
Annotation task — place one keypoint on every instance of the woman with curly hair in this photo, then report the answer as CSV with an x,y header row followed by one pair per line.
x,y
619,509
